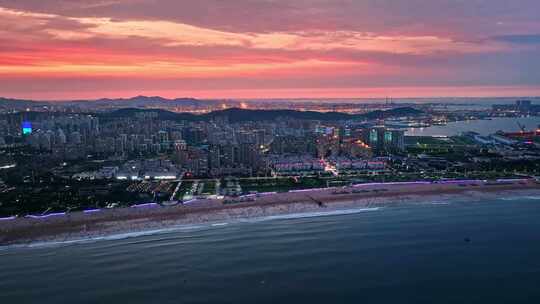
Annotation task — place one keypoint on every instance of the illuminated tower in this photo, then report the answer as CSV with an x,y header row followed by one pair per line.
x,y
26,128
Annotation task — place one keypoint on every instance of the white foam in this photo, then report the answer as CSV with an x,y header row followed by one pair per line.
x,y
310,214
517,198
111,237
510,198
178,228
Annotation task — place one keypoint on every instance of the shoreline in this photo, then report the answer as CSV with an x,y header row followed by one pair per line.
x,y
95,224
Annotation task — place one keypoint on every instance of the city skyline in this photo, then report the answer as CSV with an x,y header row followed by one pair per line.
x,y
269,151
268,49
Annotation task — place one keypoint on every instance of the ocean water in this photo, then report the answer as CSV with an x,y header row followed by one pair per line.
x,y
486,251
483,127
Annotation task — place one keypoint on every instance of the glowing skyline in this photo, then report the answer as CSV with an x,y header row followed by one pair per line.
x,y
60,49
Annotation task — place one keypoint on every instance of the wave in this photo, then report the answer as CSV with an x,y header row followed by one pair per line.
x,y
524,197
186,227
310,214
219,224
515,198
110,237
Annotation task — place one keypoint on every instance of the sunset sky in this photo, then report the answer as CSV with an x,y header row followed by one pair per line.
x,y
69,49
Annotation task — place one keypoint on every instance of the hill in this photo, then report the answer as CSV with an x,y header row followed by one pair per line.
x,y
107,103
242,115
9,103
141,102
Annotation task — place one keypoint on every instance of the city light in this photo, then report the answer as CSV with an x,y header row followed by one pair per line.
x,y
26,128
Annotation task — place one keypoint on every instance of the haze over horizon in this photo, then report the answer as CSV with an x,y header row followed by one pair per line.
x,y
269,49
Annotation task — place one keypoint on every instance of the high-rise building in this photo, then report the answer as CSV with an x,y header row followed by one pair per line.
x,y
249,155
26,128
163,136
61,137
523,105
75,138
383,140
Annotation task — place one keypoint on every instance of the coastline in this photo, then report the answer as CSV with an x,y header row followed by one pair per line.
x,y
95,224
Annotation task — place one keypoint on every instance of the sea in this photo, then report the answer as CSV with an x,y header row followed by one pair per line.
x,y
482,127
485,250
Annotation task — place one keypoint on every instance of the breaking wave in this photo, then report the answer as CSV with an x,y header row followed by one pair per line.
x,y
187,227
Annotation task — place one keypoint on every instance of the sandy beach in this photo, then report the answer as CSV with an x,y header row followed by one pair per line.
x,y
96,223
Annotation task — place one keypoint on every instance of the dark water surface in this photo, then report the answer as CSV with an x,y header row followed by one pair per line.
x,y
482,252
483,127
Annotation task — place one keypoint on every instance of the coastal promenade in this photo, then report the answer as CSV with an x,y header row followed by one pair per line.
x,y
98,222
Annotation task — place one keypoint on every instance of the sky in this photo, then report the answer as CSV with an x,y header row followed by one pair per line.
x,y
88,49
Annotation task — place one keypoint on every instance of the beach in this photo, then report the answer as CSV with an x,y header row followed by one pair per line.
x,y
151,217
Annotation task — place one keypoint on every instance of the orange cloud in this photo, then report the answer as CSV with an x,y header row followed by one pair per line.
x,y
307,57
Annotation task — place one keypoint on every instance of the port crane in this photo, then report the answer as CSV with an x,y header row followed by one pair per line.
x,y
521,127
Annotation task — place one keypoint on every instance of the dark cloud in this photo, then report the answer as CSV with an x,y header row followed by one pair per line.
x,y
457,17
478,21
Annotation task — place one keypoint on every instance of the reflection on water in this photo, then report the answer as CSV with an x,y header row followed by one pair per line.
x,y
483,127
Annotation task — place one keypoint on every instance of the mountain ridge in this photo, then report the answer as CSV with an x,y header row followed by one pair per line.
x,y
235,115
140,101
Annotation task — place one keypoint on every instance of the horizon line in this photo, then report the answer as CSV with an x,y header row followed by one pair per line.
x,y
389,98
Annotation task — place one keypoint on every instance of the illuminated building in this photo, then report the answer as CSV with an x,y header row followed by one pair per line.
x,y
26,128
383,140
